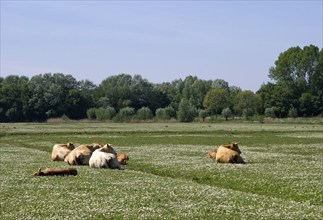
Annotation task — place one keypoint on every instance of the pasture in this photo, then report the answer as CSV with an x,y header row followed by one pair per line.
x,y
168,175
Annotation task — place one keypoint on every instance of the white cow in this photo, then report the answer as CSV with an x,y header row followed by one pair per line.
x,y
104,158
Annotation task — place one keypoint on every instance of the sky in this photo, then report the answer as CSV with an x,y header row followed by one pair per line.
x,y
237,41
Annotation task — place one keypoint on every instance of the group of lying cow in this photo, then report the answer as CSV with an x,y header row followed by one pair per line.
x,y
229,153
94,155
104,156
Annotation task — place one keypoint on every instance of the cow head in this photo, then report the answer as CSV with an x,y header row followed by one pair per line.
x,y
122,158
70,146
108,148
39,173
233,146
94,146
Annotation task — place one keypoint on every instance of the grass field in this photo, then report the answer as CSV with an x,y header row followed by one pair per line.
x,y
168,175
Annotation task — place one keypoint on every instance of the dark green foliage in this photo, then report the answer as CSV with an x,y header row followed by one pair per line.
x,y
105,113
125,114
14,95
123,90
298,74
144,114
296,90
270,112
226,113
173,91
101,113
44,96
49,94
292,112
186,112
91,113
203,114
161,114
165,113
216,100
246,103
76,104
194,90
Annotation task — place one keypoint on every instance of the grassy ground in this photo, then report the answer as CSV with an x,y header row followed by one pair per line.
x,y
168,175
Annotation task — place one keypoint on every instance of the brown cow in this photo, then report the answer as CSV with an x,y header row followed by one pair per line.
x,y
60,151
229,154
211,154
122,158
81,155
56,172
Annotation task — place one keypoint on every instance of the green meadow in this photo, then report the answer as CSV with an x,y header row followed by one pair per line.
x,y
168,175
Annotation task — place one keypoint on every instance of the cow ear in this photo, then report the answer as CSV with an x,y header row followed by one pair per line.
x,y
39,170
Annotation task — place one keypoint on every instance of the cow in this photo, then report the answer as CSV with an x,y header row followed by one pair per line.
x,y
229,154
122,158
60,151
56,172
81,155
109,149
211,154
104,158
96,145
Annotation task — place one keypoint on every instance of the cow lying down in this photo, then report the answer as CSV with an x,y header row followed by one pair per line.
x,y
103,158
60,151
122,158
81,154
56,172
212,154
229,154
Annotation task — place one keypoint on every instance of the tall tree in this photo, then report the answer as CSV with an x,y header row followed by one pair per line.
x,y
88,90
123,90
317,86
159,99
194,90
76,104
14,95
173,90
216,100
49,93
117,89
186,112
297,70
246,102
220,84
142,91
306,103
266,94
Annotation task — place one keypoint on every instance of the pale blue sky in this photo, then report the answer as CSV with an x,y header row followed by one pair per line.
x,y
161,40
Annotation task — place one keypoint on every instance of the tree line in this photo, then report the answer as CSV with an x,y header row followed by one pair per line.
x,y
296,90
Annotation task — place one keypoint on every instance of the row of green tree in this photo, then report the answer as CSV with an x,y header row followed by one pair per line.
x,y
296,90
